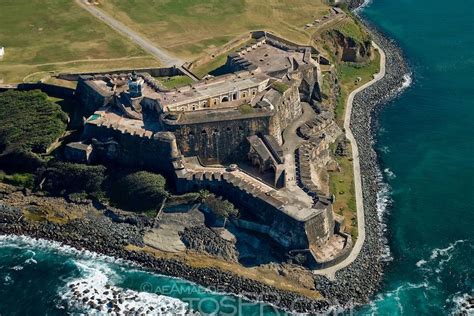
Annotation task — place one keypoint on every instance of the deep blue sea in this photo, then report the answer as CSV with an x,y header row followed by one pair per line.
x,y
426,146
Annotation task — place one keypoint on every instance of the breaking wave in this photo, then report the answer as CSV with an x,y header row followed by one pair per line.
x,y
463,304
25,242
384,201
363,5
407,82
95,293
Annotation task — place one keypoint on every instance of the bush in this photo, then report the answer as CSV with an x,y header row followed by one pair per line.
x,y
29,121
140,191
221,208
25,180
20,160
65,178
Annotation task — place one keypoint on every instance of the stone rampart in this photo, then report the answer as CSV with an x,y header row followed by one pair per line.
x,y
134,150
90,96
50,89
287,231
154,72
218,141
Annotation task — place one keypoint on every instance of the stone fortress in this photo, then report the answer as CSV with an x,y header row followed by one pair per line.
x,y
250,135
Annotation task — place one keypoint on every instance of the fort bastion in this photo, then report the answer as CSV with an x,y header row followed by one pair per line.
x,y
232,134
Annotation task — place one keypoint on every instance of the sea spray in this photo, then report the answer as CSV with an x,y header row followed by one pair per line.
x,y
94,292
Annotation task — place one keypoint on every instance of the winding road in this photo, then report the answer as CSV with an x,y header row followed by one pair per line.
x,y
163,56
330,272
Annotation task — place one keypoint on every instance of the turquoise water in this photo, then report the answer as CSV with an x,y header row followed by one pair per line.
x,y
36,279
426,147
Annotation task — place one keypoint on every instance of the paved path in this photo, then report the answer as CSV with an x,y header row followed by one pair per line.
x,y
331,271
163,56
291,141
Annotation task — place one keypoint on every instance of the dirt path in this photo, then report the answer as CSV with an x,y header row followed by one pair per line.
x,y
163,56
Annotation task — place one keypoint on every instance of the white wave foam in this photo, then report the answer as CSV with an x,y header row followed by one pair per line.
x,y
17,268
363,5
26,242
8,280
383,203
390,174
396,296
435,264
462,305
94,293
407,82
445,251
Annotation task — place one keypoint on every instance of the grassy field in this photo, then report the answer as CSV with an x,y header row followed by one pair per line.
x,y
348,74
175,81
341,185
56,35
342,182
190,27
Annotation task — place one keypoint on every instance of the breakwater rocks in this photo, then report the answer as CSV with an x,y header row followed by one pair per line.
x,y
359,281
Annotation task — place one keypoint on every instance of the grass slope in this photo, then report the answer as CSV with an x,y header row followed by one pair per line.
x,y
45,35
190,27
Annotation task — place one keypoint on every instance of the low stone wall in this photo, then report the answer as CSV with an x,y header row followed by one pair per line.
x,y
49,89
155,72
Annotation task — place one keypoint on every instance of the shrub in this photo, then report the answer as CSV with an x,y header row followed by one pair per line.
x,y
65,178
29,121
220,207
139,191
25,180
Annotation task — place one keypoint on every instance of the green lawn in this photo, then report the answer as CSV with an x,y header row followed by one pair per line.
x,y
341,185
175,81
348,74
190,28
45,35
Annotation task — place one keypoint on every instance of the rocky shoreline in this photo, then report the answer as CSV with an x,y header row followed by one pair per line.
x,y
354,285
101,235
357,283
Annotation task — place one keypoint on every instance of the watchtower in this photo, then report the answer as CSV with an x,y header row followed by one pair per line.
x,y
135,85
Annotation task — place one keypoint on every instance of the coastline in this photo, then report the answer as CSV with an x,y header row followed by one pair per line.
x,y
354,284
357,283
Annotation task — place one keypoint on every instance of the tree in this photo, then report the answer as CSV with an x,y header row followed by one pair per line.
x,y
221,208
139,191
204,195
65,178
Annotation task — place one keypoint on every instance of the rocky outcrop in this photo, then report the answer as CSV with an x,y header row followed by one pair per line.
x,y
203,239
349,49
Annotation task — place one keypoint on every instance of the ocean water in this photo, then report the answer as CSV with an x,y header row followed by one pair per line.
x,y
45,278
426,149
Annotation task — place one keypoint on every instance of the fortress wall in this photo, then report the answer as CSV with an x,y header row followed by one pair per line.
x,y
321,227
285,230
280,41
112,145
218,141
288,108
49,89
91,98
155,72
